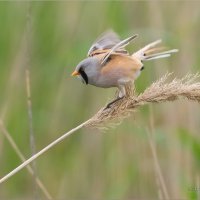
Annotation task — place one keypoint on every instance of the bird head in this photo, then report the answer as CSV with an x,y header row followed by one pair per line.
x,y
87,68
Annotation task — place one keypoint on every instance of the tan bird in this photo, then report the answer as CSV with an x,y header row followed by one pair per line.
x,y
109,65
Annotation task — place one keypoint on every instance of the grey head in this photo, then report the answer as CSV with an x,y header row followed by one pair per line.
x,y
88,69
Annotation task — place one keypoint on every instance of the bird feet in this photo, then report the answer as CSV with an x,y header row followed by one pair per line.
x,y
112,102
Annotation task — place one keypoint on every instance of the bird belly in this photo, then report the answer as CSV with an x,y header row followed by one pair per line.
x,y
111,78
104,81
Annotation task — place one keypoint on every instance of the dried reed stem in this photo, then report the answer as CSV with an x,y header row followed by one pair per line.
x,y
150,133
157,165
158,92
23,159
31,159
30,115
28,91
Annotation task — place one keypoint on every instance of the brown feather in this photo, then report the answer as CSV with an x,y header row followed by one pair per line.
x,y
125,65
103,51
97,52
154,50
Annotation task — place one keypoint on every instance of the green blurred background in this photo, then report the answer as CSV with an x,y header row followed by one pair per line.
x,y
51,38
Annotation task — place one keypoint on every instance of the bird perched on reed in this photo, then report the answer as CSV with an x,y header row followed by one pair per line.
x,y
109,64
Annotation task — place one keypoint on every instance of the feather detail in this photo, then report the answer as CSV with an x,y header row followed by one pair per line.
x,y
104,42
119,46
151,52
160,55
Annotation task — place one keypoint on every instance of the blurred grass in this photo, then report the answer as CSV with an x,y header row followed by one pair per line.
x,y
117,164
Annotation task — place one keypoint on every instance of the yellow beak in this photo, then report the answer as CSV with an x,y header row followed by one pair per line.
x,y
75,73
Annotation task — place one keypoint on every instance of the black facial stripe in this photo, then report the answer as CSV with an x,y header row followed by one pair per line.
x,y
84,76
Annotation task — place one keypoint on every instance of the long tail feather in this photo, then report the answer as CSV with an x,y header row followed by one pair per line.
x,y
160,55
151,52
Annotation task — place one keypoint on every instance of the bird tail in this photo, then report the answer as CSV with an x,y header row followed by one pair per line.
x,y
152,51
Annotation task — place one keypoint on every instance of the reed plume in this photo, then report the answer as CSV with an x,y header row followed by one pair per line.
x,y
160,91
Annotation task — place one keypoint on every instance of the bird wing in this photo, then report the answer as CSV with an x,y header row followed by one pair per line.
x,y
114,49
123,64
105,43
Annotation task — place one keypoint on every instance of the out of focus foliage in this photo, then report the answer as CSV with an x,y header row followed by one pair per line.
x,y
51,38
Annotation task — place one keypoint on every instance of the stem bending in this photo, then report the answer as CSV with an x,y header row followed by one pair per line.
x,y
32,158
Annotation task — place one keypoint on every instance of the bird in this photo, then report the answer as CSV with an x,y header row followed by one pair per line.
x,y
108,64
